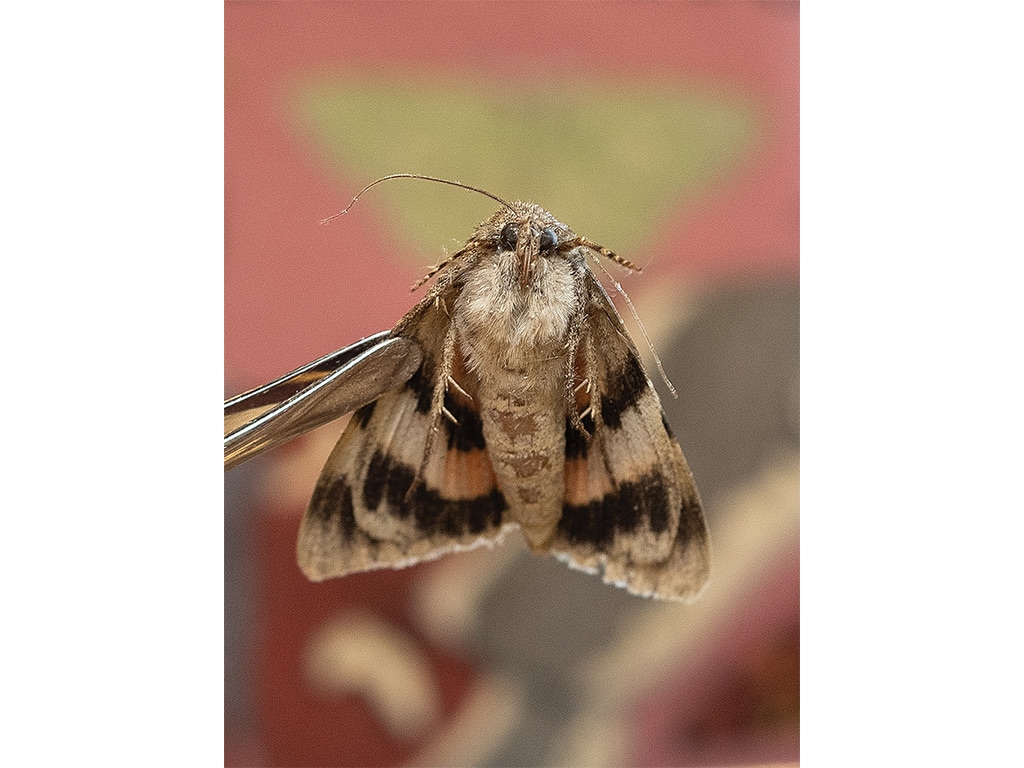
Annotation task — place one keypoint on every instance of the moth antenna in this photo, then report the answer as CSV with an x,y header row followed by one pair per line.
x,y
639,322
608,254
359,194
435,269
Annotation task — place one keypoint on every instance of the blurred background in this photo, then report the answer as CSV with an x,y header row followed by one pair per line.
x,y
668,132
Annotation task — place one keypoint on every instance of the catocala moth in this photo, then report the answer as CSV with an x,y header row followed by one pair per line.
x,y
530,410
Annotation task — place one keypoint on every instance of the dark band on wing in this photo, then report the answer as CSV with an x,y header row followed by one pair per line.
x,y
468,434
422,385
455,517
577,444
626,510
387,479
625,388
691,519
334,500
391,481
363,415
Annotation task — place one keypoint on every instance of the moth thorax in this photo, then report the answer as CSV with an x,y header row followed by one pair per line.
x,y
509,325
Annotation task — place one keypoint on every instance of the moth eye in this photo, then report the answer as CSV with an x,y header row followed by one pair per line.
x,y
508,238
548,239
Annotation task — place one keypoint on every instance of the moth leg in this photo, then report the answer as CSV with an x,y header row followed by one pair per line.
x,y
579,382
459,389
437,407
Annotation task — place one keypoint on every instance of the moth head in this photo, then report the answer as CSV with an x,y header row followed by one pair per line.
x,y
508,239
526,234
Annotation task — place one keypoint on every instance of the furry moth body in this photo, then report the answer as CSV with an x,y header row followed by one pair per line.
x,y
530,410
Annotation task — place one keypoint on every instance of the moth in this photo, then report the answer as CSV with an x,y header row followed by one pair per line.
x,y
530,409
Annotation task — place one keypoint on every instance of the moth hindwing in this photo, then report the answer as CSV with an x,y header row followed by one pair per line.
x,y
530,410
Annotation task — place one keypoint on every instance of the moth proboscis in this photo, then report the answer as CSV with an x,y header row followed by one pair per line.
x,y
530,410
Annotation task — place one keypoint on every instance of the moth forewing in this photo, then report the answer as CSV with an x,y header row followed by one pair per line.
x,y
530,409
631,504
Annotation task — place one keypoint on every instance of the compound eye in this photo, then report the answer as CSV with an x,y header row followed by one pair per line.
x,y
508,238
548,239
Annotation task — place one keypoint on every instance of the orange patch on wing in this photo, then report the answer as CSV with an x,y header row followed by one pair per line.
x,y
580,390
576,482
585,481
467,475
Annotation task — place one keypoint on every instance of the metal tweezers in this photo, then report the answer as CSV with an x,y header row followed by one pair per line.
x,y
315,394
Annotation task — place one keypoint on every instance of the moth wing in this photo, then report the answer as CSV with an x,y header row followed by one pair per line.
x,y
631,505
404,483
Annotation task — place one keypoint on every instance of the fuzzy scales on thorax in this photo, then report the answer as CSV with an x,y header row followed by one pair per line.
x,y
504,327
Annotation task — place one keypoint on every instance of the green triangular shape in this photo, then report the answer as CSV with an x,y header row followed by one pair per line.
x,y
608,159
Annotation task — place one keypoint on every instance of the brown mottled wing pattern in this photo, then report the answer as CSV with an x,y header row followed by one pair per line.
x,y
392,493
631,505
